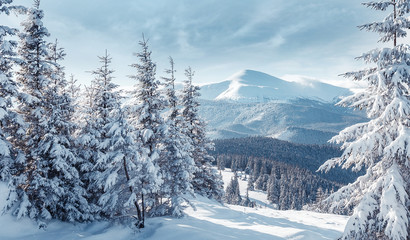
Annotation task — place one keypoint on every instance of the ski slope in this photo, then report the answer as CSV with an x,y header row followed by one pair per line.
x,y
205,219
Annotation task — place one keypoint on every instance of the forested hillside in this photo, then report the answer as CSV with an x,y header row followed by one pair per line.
x,y
285,170
305,156
303,121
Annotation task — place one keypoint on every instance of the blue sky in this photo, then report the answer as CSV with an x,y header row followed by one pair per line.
x,y
216,38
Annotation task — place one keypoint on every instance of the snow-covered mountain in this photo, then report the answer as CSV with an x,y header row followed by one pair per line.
x,y
254,86
300,121
252,103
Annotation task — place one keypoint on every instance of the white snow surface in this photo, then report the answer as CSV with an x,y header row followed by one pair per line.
x,y
254,86
208,220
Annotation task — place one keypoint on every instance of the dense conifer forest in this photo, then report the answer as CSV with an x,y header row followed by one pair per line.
x,y
286,171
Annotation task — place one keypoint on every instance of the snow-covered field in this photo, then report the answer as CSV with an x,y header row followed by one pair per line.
x,y
208,220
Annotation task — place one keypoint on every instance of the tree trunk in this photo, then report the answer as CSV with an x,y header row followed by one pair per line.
x,y
140,217
143,211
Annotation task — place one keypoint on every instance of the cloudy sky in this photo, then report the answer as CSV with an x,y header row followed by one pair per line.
x,y
315,38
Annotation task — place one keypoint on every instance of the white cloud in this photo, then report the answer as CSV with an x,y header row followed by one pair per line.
x,y
345,83
299,37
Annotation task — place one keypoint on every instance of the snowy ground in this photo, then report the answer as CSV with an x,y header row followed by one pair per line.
x,y
210,220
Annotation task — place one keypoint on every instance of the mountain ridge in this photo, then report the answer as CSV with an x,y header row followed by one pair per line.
x,y
300,120
254,86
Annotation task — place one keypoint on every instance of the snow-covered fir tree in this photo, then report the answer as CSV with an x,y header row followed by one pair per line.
x,y
48,186
207,181
220,164
320,195
145,116
94,140
380,198
246,202
177,166
10,121
73,89
232,192
122,178
250,186
273,187
59,143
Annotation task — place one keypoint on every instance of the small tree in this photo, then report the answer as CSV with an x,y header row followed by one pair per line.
x,y
246,202
232,192
380,198
273,189
220,163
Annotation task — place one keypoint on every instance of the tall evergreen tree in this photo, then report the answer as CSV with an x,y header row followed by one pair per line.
x,y
49,186
123,175
94,140
207,181
10,121
59,143
177,166
145,117
381,197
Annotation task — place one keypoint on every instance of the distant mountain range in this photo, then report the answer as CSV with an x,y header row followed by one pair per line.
x,y
252,103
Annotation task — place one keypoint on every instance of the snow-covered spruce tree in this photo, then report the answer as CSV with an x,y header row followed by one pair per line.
x,y
176,164
381,197
207,181
232,193
48,187
73,90
273,187
220,164
10,121
59,143
123,176
94,140
246,202
145,116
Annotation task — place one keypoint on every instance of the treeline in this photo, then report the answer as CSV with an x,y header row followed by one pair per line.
x,y
81,156
304,156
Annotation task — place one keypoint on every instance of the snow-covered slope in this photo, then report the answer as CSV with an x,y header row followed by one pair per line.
x,y
254,86
212,221
207,220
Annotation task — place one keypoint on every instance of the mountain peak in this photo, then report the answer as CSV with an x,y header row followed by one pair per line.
x,y
254,86
252,78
